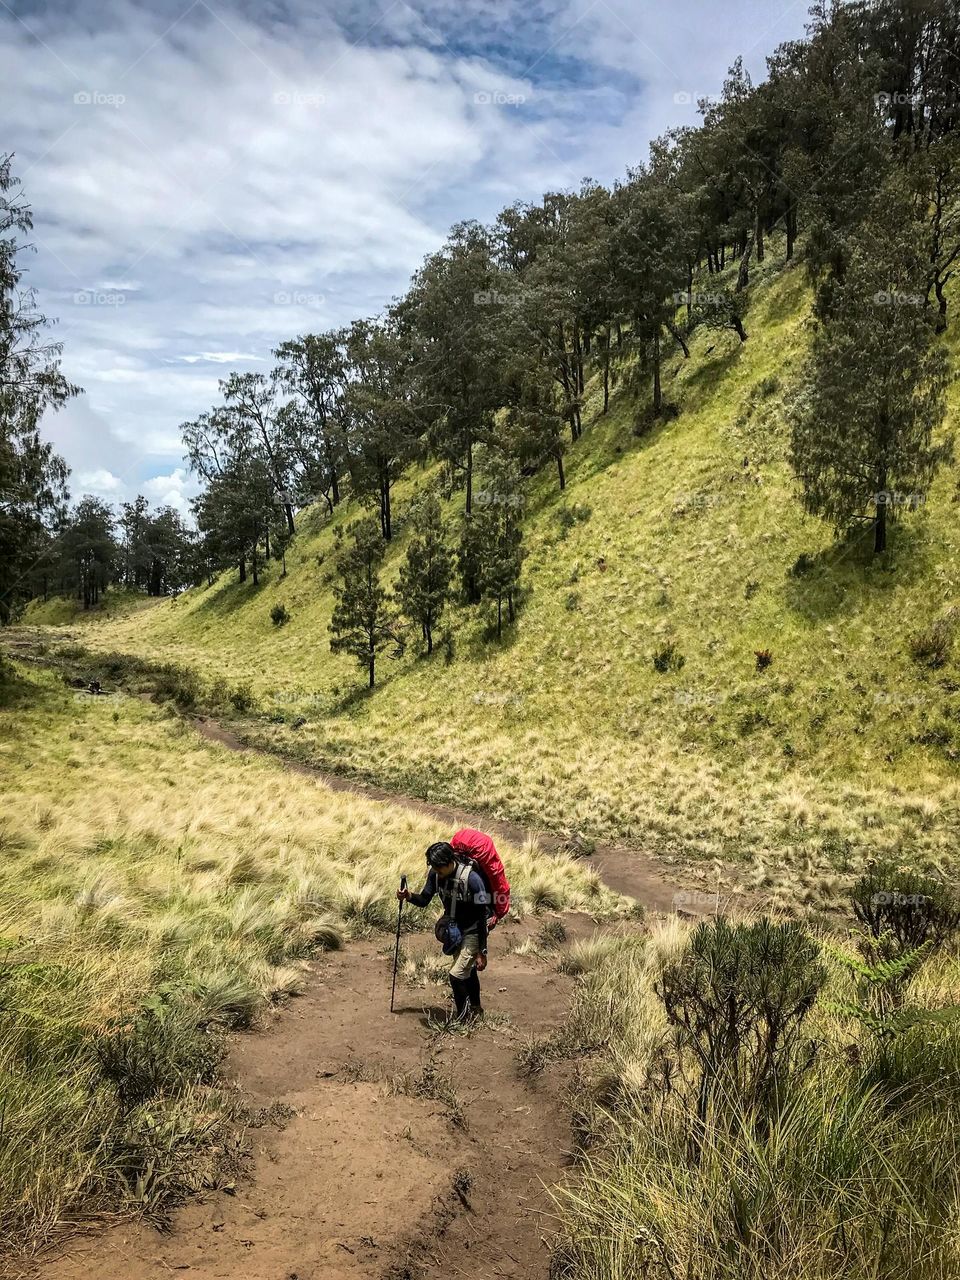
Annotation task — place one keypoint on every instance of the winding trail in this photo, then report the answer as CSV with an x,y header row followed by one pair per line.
x,y
359,1165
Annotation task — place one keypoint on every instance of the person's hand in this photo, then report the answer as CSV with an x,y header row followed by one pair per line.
x,y
491,924
481,962
403,895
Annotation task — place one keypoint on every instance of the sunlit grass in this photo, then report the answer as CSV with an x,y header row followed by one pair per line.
x,y
843,747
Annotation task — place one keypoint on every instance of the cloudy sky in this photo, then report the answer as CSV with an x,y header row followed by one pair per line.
x,y
209,178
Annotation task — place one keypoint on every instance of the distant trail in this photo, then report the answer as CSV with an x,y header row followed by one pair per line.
x,y
628,871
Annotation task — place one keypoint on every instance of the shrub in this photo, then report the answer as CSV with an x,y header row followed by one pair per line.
x,y
930,646
279,615
568,517
738,996
764,658
803,565
668,658
241,697
176,684
902,909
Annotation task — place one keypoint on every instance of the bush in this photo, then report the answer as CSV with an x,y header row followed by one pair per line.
x,y
930,646
903,909
279,615
176,684
803,565
241,698
568,517
668,658
738,996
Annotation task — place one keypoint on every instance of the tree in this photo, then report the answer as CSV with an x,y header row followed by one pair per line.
x,y
89,550
453,312
313,369
260,431
424,583
362,624
33,492
872,395
498,532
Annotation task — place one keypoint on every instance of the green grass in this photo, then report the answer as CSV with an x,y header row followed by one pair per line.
x,y
843,747
157,890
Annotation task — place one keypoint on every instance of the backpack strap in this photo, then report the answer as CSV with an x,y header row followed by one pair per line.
x,y
461,886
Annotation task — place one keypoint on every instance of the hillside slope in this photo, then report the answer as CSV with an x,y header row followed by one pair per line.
x,y
695,535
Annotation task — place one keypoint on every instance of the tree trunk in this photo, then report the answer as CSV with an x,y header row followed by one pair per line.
x,y
678,337
759,238
509,606
743,275
739,329
942,306
880,526
243,568
266,543
288,512
428,633
469,475
606,369
371,665
657,392
790,221
387,518
563,482
499,616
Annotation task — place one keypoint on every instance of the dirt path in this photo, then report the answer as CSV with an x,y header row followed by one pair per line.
x,y
372,1177
626,870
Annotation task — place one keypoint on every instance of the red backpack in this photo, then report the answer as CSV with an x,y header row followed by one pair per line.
x,y
481,849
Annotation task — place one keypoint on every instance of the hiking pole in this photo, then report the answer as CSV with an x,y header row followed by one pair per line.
x,y
396,951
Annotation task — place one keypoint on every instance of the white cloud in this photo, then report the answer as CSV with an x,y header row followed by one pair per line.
x,y
234,175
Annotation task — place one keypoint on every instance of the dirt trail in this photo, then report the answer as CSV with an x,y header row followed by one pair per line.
x,y
626,870
366,1180
371,1177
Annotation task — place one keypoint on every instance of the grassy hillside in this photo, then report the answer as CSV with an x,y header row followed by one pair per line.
x,y
155,890
690,534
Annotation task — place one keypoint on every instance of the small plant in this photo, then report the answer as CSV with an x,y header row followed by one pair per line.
x,y
902,910
279,615
751,589
931,646
568,517
764,658
668,658
572,602
552,934
803,565
241,698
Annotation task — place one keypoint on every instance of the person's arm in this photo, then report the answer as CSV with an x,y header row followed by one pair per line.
x,y
481,897
426,894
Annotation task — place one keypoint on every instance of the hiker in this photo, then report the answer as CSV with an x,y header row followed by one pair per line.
x,y
463,926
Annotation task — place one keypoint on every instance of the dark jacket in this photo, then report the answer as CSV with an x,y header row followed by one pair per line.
x,y
472,910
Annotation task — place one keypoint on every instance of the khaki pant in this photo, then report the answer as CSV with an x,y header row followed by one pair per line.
x,y
465,957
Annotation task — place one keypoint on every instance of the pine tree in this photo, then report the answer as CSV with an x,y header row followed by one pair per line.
x,y
498,532
873,392
424,584
362,624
